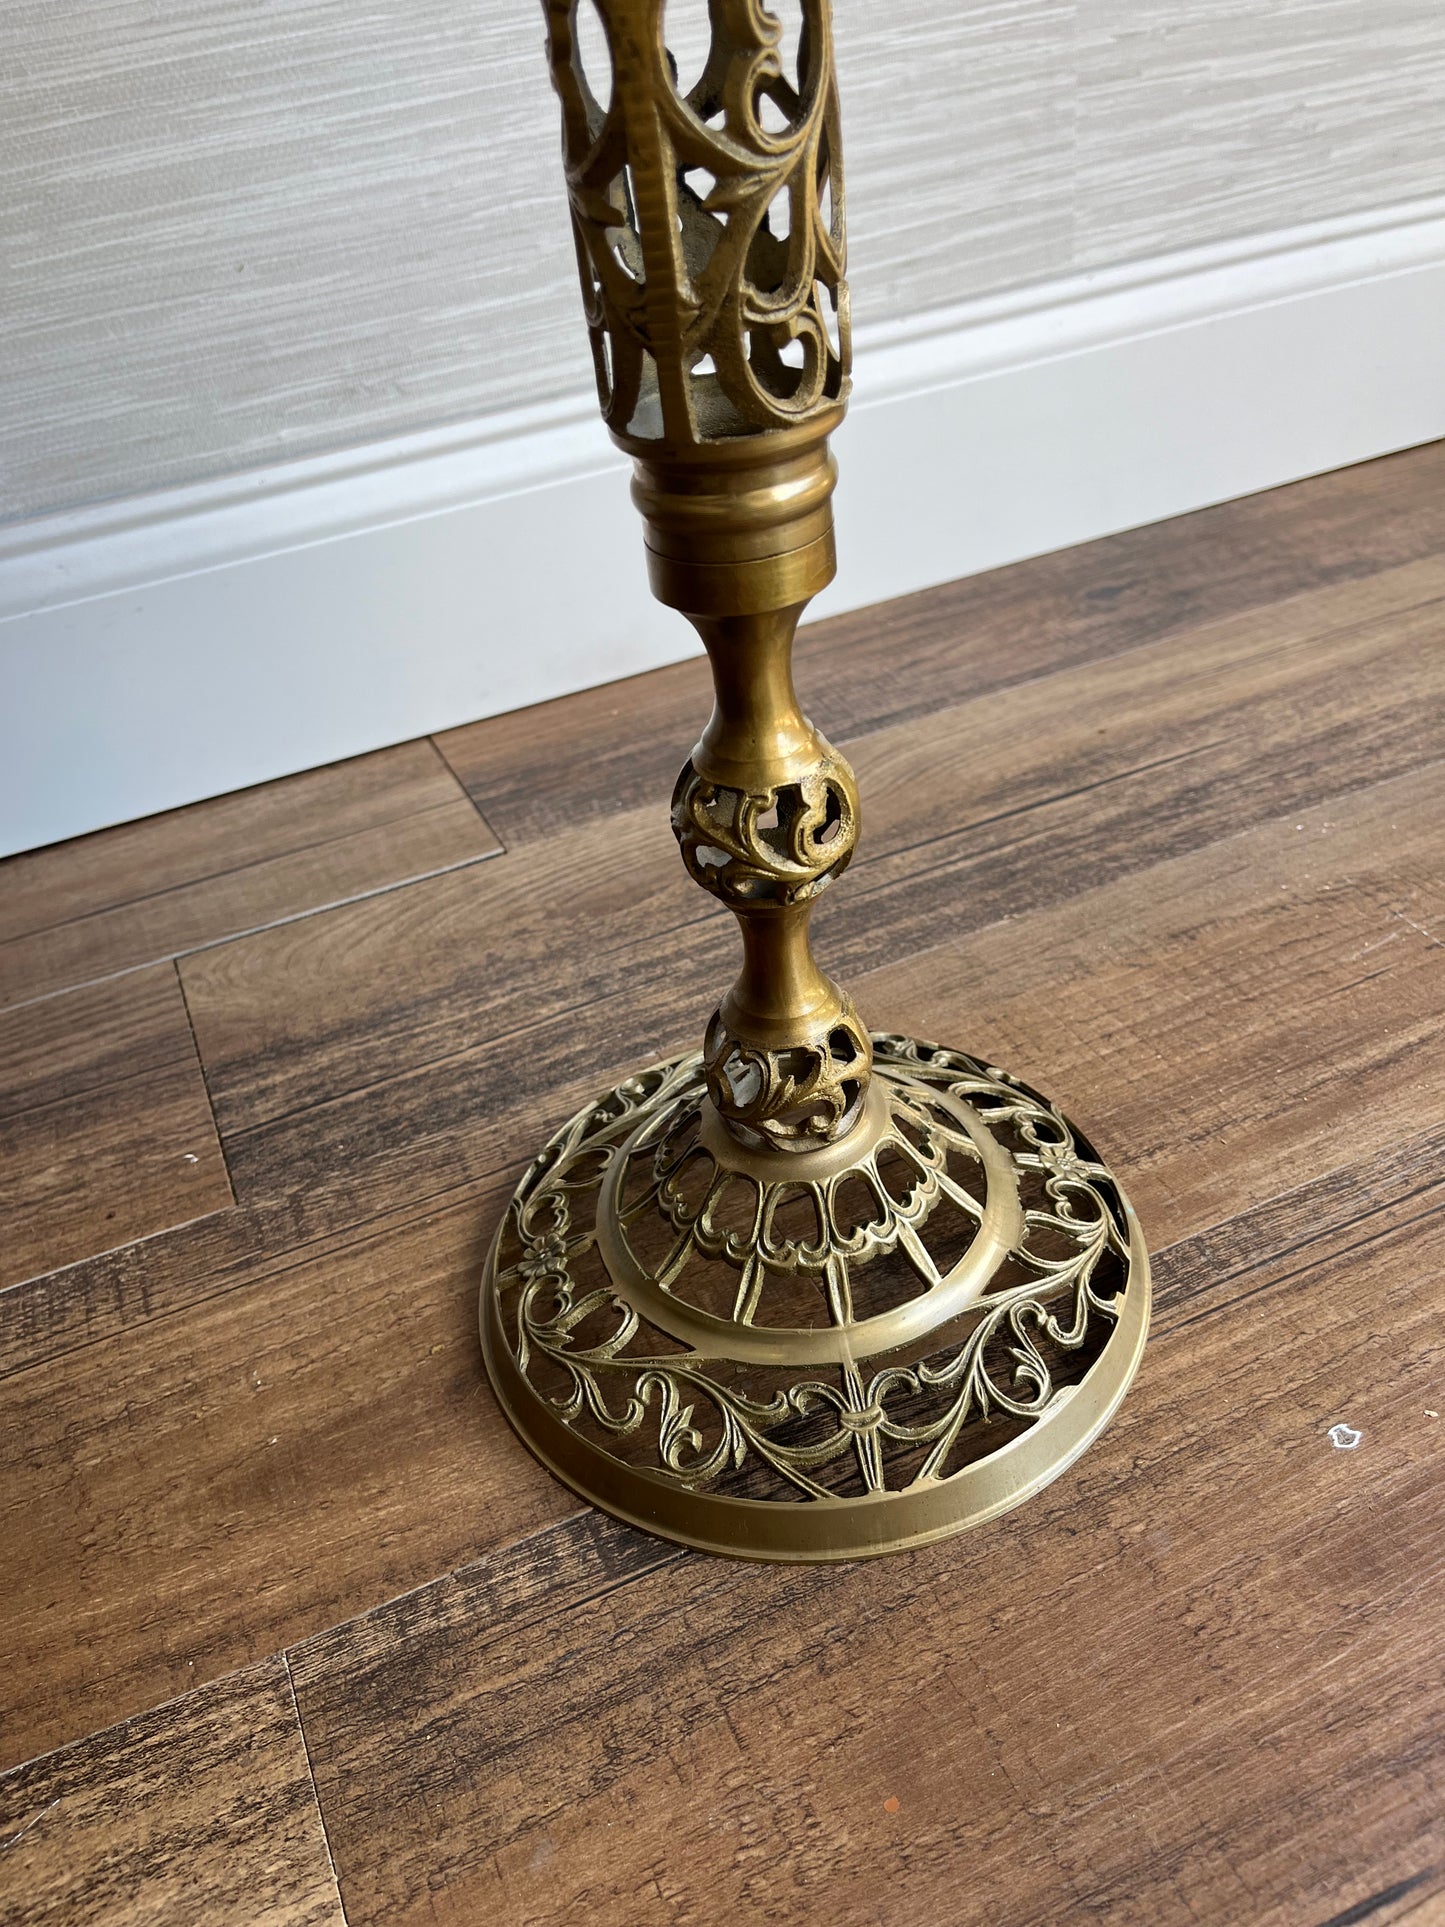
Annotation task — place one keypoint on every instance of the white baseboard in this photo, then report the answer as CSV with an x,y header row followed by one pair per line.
x,y
156,651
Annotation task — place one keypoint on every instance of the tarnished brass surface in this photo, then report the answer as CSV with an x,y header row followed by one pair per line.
x,y
778,1299
858,1349
709,231
709,226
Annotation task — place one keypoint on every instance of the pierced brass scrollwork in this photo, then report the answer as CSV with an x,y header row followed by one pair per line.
x,y
779,847
810,1293
763,853
796,1095
812,1344
708,223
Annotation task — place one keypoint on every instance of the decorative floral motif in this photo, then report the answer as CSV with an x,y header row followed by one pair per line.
x,y
708,224
875,1206
791,1099
778,849
1056,1296
781,847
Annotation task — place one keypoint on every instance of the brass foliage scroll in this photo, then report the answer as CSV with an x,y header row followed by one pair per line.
x,y
708,224
812,1292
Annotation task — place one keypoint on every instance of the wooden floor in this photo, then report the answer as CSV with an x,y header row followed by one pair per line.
x,y
295,1631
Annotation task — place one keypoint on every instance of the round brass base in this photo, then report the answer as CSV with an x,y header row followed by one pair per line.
x,y
820,1354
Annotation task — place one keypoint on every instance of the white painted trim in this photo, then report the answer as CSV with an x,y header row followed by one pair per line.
x,y
159,650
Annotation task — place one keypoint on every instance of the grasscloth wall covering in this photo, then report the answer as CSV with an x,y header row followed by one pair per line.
x,y
237,230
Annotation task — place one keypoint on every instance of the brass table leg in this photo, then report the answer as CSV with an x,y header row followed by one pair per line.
x,y
809,1293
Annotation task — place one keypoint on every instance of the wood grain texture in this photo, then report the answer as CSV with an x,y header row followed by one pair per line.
x,y
863,672
236,234
176,882
1296,938
1028,795
1133,1700
201,1491
201,1811
1201,736
98,1296
276,1473
1167,844
106,1133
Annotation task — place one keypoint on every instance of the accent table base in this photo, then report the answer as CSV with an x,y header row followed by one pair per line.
x,y
821,1354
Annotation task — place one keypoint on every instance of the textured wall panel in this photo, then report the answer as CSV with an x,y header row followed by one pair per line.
x,y
1203,119
236,230
959,144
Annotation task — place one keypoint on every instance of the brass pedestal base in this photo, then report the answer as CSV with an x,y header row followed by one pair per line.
x,y
820,1354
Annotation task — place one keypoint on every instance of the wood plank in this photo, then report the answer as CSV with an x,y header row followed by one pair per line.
x,y
1211,1269
201,1811
1194,1681
1010,802
94,1298
447,1125
106,1132
195,1494
295,1016
623,743
998,807
1142,1698
391,1463
1294,940
191,877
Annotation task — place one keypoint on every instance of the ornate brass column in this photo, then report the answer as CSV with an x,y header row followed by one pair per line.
x,y
809,1294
